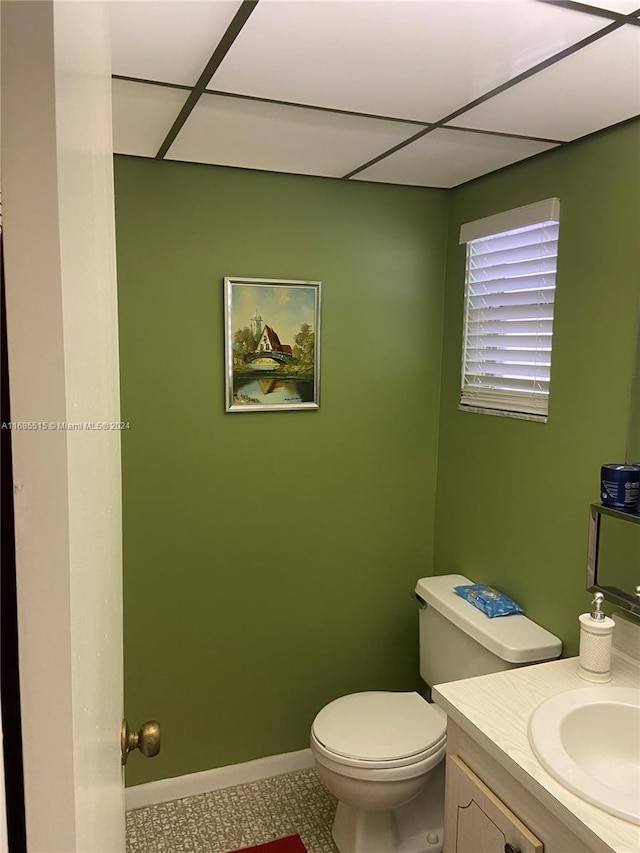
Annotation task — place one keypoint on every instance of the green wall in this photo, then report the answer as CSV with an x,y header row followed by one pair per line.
x,y
270,558
512,496
633,444
243,619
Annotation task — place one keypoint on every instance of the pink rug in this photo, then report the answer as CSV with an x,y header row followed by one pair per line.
x,y
290,844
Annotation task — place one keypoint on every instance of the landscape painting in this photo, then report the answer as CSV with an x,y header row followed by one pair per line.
x,y
272,348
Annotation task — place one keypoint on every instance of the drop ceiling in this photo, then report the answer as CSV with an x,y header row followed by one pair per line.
x,y
418,92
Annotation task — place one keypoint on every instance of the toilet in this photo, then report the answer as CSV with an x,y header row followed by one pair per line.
x,y
381,753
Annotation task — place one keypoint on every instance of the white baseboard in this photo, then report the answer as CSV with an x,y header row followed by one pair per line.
x,y
164,790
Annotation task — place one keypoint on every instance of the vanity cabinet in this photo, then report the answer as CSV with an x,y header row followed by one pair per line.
x,y
476,821
487,809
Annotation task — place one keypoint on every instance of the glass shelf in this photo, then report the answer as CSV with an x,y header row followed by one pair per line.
x,y
616,513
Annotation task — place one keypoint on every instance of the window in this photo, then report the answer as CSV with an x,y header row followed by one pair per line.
x,y
509,297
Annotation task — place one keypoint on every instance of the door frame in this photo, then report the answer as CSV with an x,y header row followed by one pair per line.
x,y
59,241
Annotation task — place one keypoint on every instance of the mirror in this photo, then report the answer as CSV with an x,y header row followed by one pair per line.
x,y
613,566
613,563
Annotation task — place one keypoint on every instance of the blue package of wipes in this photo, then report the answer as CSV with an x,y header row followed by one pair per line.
x,y
488,599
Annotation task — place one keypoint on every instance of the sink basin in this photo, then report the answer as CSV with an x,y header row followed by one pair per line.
x,y
589,740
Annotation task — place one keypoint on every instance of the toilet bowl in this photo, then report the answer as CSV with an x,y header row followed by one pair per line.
x,y
376,752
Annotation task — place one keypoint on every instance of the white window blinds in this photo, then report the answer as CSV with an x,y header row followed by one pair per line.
x,y
508,328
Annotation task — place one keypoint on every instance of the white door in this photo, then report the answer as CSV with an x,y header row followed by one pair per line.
x,y
57,194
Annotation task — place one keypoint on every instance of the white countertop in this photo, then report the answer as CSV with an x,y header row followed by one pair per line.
x,y
495,709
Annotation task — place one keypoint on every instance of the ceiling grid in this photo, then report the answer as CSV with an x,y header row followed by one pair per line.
x,y
427,93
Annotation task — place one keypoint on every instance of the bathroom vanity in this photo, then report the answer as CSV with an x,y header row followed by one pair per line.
x,y
498,794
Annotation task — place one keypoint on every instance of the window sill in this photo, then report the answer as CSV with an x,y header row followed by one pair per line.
x,y
501,413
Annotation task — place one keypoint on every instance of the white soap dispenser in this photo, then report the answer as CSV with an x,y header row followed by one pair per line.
x,y
596,633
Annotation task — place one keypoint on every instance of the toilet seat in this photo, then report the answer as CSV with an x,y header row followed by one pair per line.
x,y
400,768
379,730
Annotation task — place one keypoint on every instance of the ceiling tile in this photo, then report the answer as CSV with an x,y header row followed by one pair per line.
x,y
596,87
446,158
626,7
142,116
167,40
238,132
411,60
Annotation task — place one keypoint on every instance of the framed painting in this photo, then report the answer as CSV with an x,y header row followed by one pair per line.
x,y
272,345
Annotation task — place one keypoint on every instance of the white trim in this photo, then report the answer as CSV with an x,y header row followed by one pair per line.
x,y
179,787
508,220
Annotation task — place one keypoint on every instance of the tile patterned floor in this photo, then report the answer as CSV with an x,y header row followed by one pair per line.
x,y
238,817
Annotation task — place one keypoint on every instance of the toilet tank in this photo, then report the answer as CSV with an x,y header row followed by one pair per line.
x,y
459,641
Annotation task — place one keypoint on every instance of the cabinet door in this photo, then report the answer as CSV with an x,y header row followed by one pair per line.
x,y
476,821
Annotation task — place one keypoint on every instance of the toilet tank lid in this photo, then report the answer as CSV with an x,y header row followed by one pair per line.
x,y
512,638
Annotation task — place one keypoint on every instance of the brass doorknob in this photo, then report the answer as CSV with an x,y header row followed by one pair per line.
x,y
147,740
